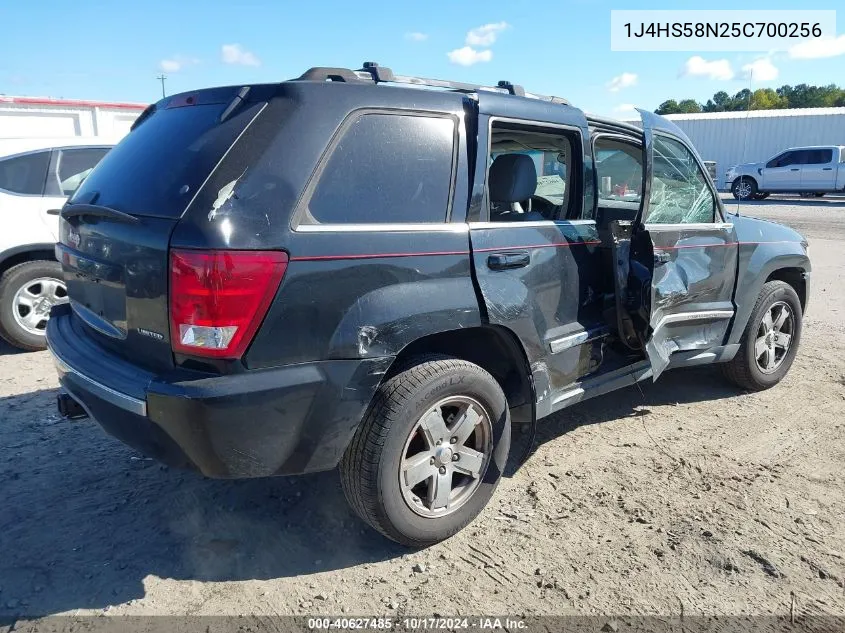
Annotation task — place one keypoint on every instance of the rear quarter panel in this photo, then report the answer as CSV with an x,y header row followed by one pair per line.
x,y
359,300
349,292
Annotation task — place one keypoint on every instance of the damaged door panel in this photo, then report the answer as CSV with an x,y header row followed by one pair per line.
x,y
693,276
681,239
536,261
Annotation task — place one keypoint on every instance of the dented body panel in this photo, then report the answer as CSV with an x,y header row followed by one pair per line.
x,y
764,249
692,288
355,297
693,265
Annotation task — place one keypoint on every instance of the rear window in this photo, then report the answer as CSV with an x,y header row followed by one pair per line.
x,y
70,168
819,156
158,167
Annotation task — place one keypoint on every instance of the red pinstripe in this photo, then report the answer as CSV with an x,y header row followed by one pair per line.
x,y
314,258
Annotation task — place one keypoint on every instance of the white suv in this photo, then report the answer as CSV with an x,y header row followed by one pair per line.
x,y
36,177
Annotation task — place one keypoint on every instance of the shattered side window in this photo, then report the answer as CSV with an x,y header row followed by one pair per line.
x,y
680,193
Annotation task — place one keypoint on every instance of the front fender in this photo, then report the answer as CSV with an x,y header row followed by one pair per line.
x,y
764,247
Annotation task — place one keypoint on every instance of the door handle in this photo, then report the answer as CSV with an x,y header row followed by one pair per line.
x,y
53,211
506,261
827,168
662,257
795,169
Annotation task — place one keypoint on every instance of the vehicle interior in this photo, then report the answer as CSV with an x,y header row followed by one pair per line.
x,y
531,179
619,180
619,187
529,175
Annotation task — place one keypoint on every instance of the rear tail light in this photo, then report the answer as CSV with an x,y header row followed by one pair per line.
x,y
219,298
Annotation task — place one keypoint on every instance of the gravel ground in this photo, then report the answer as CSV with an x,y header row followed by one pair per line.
x,y
686,497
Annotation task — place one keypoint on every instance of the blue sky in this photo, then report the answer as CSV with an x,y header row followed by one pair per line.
x,y
96,50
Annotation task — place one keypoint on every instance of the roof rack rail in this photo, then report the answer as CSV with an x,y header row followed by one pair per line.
x,y
382,74
372,71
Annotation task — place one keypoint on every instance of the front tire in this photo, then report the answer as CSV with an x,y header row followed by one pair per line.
x,y
430,451
27,292
744,188
770,340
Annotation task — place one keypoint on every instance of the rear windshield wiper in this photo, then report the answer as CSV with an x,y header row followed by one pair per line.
x,y
98,210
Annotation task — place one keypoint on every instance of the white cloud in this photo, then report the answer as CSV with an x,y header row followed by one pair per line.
x,y
719,69
235,54
760,70
467,56
625,80
416,36
176,63
169,65
486,35
819,47
625,108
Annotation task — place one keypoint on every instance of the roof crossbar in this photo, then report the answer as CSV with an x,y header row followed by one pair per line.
x,y
371,71
381,74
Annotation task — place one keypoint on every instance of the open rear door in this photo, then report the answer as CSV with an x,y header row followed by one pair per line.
x,y
681,237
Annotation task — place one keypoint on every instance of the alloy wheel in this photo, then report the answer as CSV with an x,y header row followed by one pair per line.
x,y
446,456
743,189
774,337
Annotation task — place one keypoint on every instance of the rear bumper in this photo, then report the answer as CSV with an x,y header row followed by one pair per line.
x,y
280,421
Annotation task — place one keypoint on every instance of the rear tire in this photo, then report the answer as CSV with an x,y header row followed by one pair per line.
x,y
400,434
27,292
744,188
762,361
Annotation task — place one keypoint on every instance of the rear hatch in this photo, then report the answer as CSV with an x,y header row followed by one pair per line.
x,y
115,230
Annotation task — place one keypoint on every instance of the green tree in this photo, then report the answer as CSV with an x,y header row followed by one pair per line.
x,y
688,106
668,107
800,96
767,99
739,101
718,103
805,96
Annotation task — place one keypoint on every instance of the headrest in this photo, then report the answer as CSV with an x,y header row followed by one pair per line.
x,y
512,178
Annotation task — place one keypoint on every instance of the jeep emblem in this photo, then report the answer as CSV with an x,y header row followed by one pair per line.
x,y
73,238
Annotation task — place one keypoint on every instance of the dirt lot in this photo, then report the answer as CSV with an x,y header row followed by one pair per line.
x,y
689,496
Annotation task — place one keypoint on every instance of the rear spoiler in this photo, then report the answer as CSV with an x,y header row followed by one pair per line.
x,y
143,117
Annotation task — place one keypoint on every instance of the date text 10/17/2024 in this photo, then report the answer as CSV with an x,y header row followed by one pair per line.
x,y
417,623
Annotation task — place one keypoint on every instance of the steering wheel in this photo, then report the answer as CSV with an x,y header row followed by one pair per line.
x,y
544,207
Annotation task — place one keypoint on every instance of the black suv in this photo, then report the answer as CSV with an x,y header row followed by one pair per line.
x,y
350,269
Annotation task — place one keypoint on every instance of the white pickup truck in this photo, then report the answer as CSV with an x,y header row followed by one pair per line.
x,y
809,171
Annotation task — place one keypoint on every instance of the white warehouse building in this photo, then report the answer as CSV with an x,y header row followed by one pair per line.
x,y
731,138
45,117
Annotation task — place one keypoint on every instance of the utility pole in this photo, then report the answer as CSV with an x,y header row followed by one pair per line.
x,y
161,78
